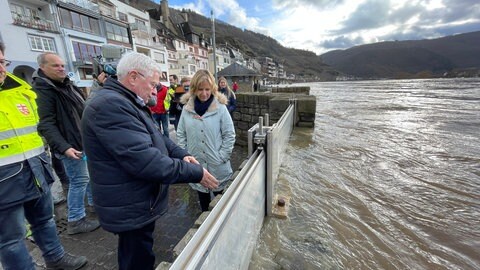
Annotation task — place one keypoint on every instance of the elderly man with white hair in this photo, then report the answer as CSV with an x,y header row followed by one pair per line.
x,y
131,163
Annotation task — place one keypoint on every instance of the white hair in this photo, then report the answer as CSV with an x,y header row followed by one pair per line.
x,y
136,61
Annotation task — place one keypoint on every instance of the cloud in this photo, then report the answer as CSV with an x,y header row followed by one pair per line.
x,y
230,12
340,42
371,14
322,25
316,4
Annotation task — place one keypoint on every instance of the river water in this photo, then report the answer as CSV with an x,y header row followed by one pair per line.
x,y
389,178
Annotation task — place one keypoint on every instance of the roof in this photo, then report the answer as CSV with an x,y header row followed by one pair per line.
x,y
236,69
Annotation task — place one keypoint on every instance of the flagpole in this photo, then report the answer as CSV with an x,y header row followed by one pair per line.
x,y
214,47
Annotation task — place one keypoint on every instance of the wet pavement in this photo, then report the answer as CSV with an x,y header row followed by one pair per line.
x,y
100,247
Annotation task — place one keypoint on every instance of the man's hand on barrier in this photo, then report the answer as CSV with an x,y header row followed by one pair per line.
x,y
208,181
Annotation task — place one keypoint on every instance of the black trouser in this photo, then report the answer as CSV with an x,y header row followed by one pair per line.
x,y
205,199
59,170
135,248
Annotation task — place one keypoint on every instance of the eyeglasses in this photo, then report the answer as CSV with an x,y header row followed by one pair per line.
x,y
5,62
152,84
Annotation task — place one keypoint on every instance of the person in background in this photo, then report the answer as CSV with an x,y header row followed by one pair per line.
x,y
235,86
225,89
97,83
176,108
172,111
179,92
206,130
131,163
60,107
159,112
26,177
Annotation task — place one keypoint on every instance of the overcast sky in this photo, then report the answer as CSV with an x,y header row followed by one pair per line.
x,y
324,25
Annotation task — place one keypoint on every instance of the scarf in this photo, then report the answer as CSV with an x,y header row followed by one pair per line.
x,y
202,107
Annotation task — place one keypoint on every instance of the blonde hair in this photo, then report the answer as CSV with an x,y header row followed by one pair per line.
x,y
200,77
184,80
229,90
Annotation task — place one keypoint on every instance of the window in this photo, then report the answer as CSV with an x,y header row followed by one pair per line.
x,y
159,57
122,16
21,11
86,73
138,21
117,32
42,44
80,22
84,52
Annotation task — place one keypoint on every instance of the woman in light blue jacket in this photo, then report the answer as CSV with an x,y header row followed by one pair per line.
x,y
206,131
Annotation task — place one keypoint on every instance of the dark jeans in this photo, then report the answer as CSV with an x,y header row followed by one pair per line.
x,y
205,199
162,120
39,214
59,170
135,248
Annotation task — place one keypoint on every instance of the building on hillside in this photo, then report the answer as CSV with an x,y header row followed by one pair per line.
x,y
116,25
145,38
83,37
197,44
244,76
182,61
252,63
236,55
223,59
28,29
268,70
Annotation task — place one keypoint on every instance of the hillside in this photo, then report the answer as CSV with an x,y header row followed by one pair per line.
x,y
407,59
299,62
456,55
304,64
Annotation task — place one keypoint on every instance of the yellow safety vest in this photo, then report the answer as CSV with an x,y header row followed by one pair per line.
x,y
168,98
19,139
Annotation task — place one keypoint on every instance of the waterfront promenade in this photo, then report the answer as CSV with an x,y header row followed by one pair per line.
x,y
100,247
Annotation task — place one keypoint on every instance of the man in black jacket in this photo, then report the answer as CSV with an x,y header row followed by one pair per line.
x,y
131,162
60,108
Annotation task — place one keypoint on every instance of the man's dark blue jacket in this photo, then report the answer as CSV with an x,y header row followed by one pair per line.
x,y
130,162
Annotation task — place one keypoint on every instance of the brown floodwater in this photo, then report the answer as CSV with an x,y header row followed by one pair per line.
x,y
389,178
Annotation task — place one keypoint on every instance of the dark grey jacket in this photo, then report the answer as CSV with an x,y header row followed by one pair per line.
x,y
130,162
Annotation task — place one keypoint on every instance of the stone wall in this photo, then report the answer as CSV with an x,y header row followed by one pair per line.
x,y
250,106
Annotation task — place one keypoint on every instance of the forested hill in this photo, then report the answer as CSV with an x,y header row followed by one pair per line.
x,y
453,55
456,55
302,63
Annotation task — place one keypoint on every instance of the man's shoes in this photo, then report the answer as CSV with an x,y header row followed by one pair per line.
x,y
68,262
82,226
90,209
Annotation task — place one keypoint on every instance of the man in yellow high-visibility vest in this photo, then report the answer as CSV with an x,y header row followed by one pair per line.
x,y
25,178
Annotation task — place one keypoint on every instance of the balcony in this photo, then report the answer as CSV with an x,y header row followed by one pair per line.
x,y
86,4
33,22
140,30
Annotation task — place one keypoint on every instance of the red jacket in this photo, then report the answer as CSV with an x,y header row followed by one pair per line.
x,y
161,94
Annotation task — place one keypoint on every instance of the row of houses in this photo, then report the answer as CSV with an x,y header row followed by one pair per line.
x,y
82,31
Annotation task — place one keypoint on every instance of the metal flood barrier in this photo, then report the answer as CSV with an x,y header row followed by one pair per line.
x,y
227,237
